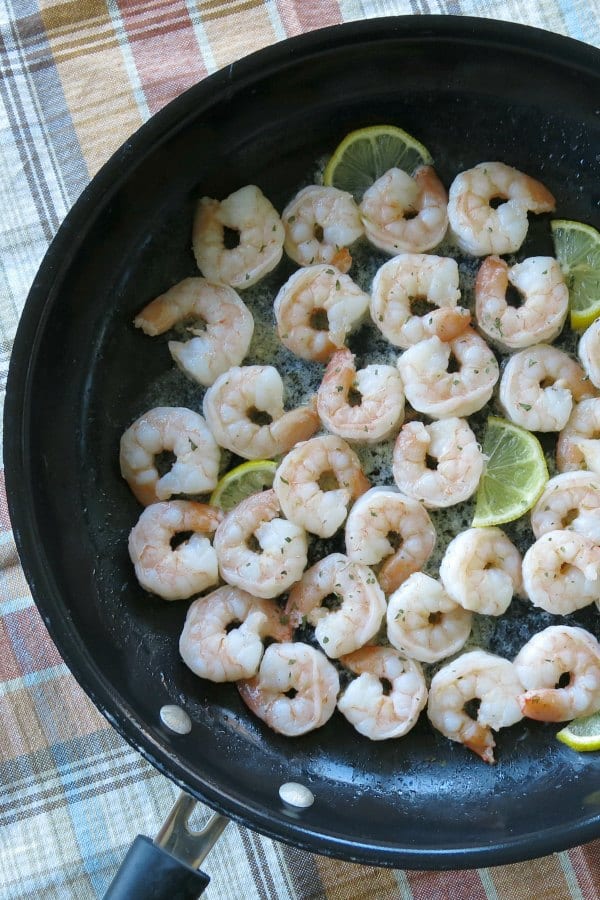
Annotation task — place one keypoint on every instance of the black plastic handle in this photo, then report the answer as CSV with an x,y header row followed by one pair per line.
x,y
150,873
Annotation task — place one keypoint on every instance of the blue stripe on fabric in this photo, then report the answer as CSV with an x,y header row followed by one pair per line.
x,y
94,815
47,96
31,679
572,19
15,605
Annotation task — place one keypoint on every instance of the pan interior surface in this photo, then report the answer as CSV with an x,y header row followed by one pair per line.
x,y
470,91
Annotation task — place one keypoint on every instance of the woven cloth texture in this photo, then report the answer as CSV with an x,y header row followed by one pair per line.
x,y
78,77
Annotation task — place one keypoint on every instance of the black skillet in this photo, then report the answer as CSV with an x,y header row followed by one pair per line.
x,y
471,90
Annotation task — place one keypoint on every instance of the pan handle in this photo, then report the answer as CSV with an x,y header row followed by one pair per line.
x,y
167,868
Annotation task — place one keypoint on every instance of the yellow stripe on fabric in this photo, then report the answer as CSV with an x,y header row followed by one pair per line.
x,y
539,877
349,881
247,26
93,74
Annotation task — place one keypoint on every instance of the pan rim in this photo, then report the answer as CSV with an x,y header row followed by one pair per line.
x,y
17,410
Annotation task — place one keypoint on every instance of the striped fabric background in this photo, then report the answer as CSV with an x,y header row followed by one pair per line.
x,y
77,77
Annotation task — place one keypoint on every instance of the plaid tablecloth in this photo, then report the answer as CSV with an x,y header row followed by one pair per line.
x,y
78,77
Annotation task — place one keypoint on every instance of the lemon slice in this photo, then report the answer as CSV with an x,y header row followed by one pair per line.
x,y
514,476
246,479
577,249
364,155
582,734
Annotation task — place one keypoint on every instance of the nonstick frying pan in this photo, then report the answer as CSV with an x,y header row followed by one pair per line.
x,y
471,90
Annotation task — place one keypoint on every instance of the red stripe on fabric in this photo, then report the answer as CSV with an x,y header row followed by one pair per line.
x,y
164,48
9,665
300,16
4,518
586,865
31,646
460,885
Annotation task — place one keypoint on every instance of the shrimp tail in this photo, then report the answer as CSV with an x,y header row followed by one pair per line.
x,y
342,259
451,322
395,570
544,705
482,743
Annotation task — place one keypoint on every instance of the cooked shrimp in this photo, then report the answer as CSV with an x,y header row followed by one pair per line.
x,y
320,224
578,445
244,410
387,697
424,622
476,675
384,527
412,277
560,572
316,482
365,406
254,219
459,462
404,214
431,389
481,570
295,690
589,352
570,500
220,323
541,315
538,387
189,568
222,638
477,227
359,604
316,309
258,550
545,659
174,429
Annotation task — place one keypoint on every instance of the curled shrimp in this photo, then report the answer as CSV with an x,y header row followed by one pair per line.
x,y
191,567
560,572
254,219
244,411
223,634
358,610
184,433
478,227
481,570
541,315
377,713
538,388
365,406
388,530
317,481
570,500
588,351
258,550
424,622
320,224
545,660
220,323
316,309
433,390
459,462
476,675
295,690
407,279
408,214
578,445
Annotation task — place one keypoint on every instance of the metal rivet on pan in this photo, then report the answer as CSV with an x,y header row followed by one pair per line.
x,y
176,719
296,795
